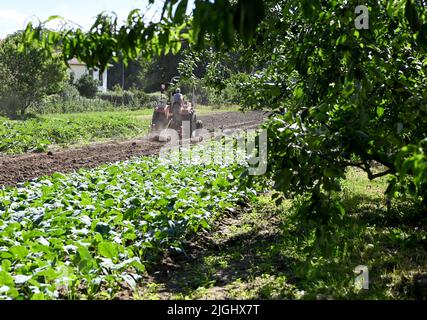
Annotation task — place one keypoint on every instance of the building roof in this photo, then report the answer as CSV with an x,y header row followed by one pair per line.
x,y
75,62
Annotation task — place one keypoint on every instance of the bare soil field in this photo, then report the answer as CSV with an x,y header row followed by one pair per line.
x,y
16,169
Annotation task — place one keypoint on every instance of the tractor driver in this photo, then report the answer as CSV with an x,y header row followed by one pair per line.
x,y
178,97
177,102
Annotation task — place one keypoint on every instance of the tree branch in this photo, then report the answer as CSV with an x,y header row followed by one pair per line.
x,y
378,175
365,167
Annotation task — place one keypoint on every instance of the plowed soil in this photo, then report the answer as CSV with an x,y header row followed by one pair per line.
x,y
16,169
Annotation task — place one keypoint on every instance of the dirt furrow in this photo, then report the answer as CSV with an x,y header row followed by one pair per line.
x,y
16,169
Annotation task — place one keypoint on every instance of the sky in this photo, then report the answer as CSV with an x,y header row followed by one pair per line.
x,y
14,15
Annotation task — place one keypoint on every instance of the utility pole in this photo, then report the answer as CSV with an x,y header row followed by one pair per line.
x,y
123,76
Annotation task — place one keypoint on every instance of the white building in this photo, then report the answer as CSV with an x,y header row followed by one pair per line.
x,y
79,69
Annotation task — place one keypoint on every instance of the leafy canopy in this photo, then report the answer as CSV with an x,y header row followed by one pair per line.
x,y
216,22
343,97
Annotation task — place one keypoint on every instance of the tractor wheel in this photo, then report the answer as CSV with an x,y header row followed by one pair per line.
x,y
159,121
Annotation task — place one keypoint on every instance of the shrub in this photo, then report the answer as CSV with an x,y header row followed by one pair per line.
x,y
57,104
87,86
145,100
118,98
69,92
132,99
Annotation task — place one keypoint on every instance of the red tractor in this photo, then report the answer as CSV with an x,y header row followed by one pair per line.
x,y
173,115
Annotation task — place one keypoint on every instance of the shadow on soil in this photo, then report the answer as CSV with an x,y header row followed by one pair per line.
x,y
223,263
258,253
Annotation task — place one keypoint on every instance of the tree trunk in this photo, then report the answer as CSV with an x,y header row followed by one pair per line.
x,y
23,109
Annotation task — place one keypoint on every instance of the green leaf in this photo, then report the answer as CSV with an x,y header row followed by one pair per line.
x,y
38,296
49,274
102,228
138,266
380,111
19,252
6,279
108,250
5,265
84,253
109,203
298,93
180,11
51,18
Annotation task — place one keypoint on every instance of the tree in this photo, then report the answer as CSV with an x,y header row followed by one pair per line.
x,y
342,97
27,76
126,77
